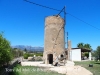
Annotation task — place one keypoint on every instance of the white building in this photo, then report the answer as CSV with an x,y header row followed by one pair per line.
x,y
76,54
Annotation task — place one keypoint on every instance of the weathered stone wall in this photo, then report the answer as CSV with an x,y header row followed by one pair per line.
x,y
54,36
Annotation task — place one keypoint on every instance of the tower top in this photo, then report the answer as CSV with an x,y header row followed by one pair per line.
x,y
54,20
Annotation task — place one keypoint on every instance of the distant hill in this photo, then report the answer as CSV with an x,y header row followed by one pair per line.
x,y
22,47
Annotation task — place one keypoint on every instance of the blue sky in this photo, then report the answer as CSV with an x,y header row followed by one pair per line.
x,y
23,23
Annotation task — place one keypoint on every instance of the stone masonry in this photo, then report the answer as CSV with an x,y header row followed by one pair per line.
x,y
54,42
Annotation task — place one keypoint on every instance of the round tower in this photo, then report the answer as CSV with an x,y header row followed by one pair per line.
x,y
54,42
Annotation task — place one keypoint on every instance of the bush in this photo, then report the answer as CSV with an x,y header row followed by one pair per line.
x,y
26,55
87,54
39,54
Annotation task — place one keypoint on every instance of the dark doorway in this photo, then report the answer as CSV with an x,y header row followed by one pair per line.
x,y
62,56
50,58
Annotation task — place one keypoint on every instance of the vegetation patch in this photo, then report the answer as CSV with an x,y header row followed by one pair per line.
x,y
31,70
95,69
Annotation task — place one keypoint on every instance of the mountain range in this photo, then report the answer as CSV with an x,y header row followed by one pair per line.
x,y
30,48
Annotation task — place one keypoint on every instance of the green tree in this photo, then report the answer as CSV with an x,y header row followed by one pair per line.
x,y
80,45
84,46
98,52
25,50
94,53
5,50
87,46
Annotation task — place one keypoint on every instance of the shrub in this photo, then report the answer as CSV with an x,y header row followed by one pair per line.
x,y
26,55
39,54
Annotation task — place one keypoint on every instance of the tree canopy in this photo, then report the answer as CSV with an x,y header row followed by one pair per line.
x,y
80,45
96,53
5,50
98,50
85,46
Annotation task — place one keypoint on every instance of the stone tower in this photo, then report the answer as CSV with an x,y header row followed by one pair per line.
x,y
54,42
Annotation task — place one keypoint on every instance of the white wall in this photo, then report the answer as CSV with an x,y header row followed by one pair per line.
x,y
75,55
89,55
